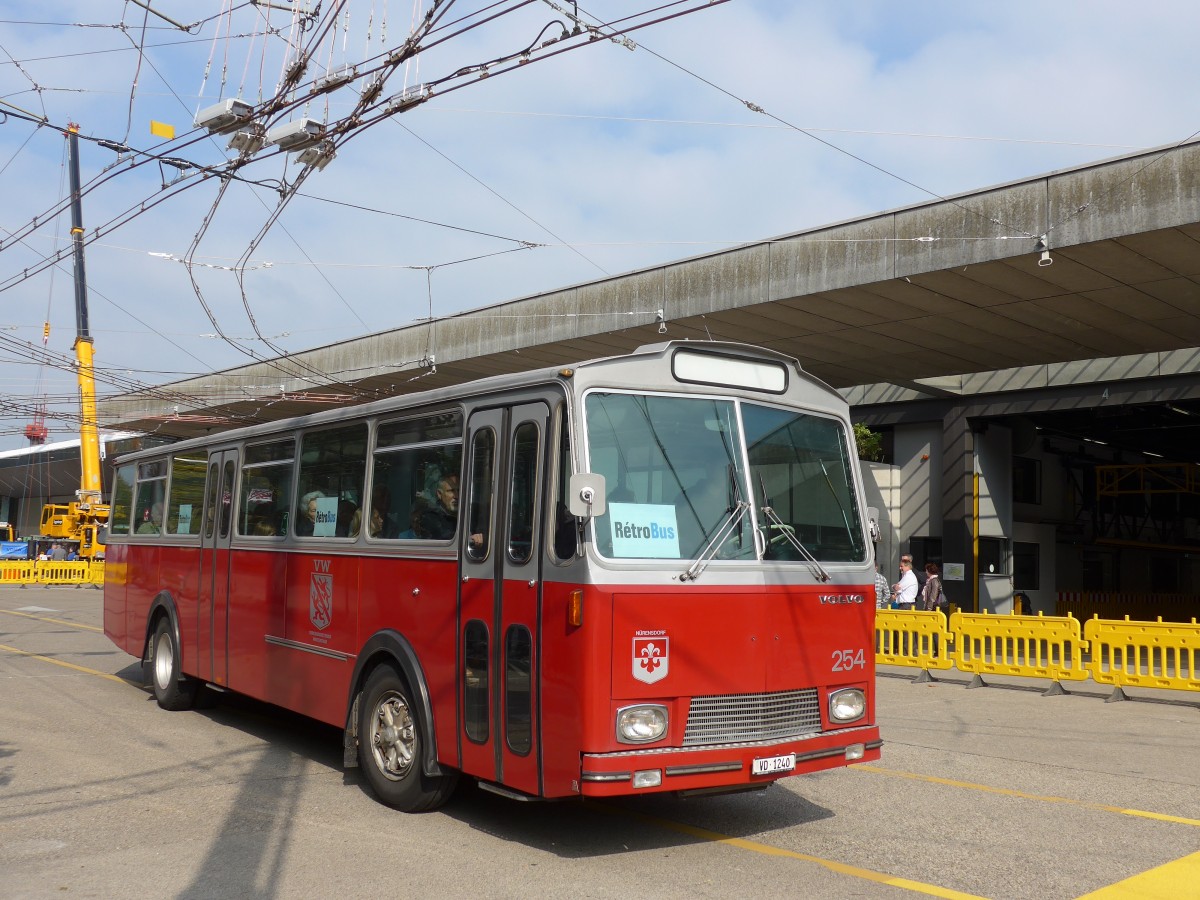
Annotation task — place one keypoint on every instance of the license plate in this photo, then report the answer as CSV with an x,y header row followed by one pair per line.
x,y
769,765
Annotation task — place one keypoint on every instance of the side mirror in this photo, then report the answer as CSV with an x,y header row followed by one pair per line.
x,y
873,521
586,495
102,534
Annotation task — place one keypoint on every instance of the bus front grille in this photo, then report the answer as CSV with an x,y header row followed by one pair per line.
x,y
734,718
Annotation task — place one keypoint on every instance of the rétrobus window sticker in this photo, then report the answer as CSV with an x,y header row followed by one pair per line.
x,y
644,530
326,524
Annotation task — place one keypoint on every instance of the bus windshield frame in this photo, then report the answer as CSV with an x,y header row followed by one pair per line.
x,y
698,476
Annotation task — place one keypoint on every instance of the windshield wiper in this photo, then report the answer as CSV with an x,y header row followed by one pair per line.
x,y
838,500
789,532
730,522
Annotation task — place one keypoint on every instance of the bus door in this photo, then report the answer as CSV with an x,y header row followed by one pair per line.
x,y
500,535
212,610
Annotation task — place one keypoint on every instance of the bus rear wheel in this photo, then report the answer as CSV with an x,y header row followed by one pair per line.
x,y
172,689
391,739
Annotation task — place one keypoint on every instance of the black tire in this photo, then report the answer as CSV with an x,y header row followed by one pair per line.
x,y
172,689
391,739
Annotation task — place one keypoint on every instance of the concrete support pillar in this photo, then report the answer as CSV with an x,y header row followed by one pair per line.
x,y
958,505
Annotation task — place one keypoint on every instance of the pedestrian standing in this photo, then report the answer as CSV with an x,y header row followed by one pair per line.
x,y
931,594
905,590
883,591
919,572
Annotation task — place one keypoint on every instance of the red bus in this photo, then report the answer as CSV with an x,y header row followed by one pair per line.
x,y
652,572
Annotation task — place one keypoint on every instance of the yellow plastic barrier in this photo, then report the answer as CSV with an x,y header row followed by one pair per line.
x,y
916,638
1145,654
1033,646
17,572
55,572
44,572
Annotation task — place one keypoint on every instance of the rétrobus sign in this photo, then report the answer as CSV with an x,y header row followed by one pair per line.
x,y
644,530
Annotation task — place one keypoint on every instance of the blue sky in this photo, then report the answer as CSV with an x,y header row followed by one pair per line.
x,y
610,159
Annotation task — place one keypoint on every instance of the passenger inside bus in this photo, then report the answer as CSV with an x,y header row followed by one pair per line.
x,y
262,520
378,524
263,526
306,519
153,522
439,519
347,512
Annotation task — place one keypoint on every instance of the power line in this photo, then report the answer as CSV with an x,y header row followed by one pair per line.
x,y
289,96
862,132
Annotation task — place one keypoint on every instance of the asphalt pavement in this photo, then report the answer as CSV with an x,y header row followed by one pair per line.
x,y
996,792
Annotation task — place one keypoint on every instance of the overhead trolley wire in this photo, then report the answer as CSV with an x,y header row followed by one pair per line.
x,y
368,111
137,71
755,108
61,56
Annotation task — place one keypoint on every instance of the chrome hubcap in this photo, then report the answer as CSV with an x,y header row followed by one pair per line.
x,y
393,737
164,662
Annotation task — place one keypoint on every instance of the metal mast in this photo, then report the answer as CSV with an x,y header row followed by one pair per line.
x,y
89,438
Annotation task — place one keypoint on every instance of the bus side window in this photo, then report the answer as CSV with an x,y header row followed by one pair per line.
x,y
566,527
226,498
187,493
150,497
333,465
475,680
122,501
479,516
417,463
518,696
210,500
523,498
265,494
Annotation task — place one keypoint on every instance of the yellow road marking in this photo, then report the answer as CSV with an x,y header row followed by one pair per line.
x,y
704,834
65,665
1009,792
13,612
1166,882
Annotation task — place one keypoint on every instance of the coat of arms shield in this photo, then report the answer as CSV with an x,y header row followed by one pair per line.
x,y
320,600
651,658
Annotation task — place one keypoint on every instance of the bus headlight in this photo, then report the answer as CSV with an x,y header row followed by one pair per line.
x,y
847,705
641,724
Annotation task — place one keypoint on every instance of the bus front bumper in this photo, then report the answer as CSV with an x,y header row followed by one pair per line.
x,y
724,766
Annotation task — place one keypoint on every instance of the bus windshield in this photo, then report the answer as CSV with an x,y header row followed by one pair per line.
x,y
692,477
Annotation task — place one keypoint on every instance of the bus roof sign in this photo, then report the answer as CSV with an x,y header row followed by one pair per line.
x,y
729,371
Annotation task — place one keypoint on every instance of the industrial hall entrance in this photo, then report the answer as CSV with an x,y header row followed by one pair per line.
x,y
1029,352
1081,498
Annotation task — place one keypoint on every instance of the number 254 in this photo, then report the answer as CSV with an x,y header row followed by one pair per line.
x,y
845,660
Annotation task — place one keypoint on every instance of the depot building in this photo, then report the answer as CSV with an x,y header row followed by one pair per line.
x,y
1027,356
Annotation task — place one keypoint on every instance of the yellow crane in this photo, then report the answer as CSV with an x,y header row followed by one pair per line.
x,y
81,520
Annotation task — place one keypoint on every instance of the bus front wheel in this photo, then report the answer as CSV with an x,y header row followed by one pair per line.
x,y
172,689
390,742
